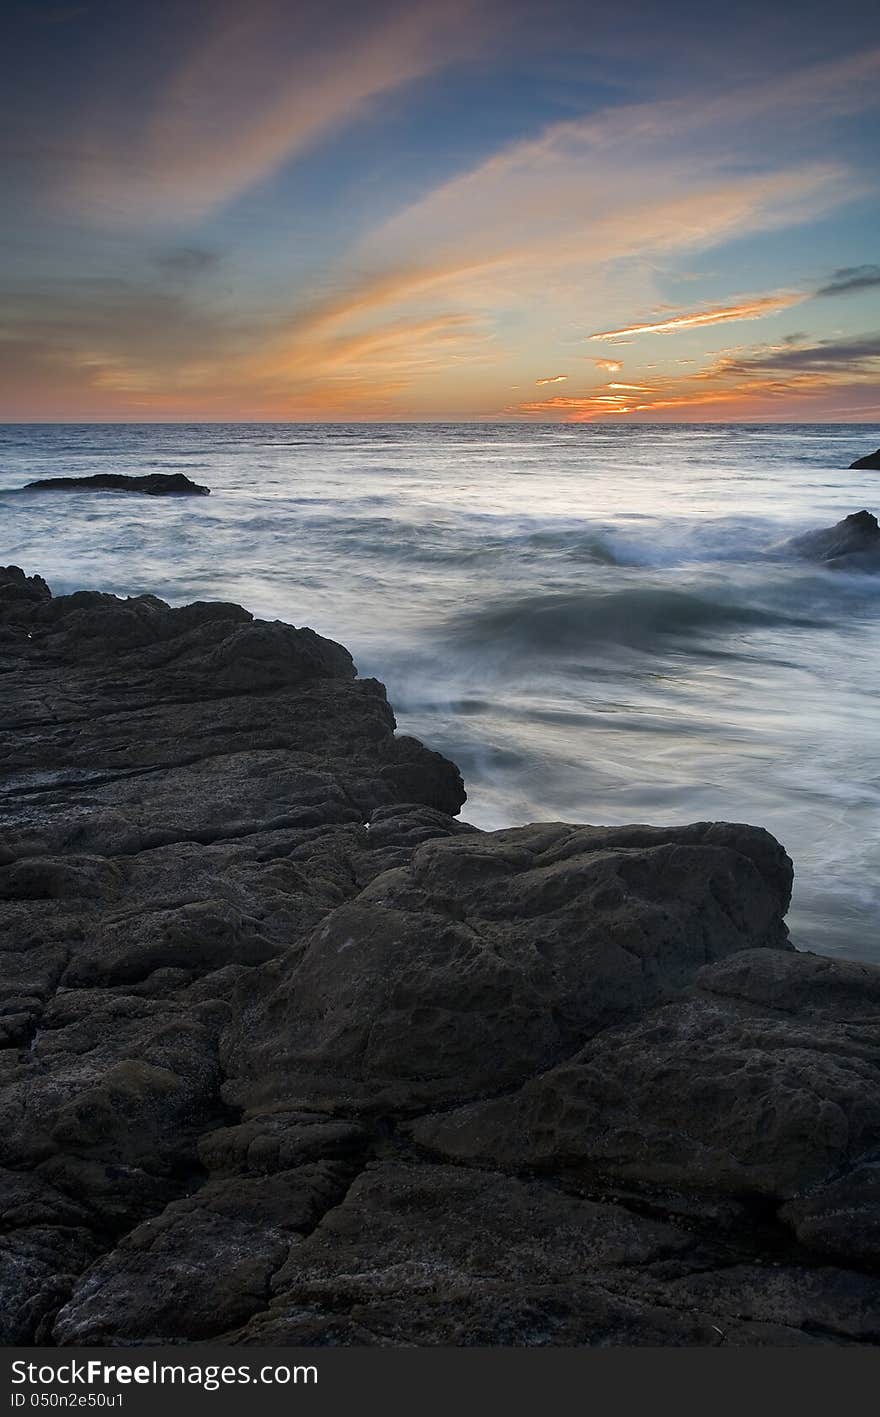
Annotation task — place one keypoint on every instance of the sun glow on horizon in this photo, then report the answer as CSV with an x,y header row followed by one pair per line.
x,y
262,215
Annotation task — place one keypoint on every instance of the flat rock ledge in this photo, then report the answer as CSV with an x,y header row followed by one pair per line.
x,y
293,1056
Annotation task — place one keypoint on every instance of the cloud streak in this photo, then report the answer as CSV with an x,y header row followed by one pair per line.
x,y
851,279
406,298
760,383
262,83
576,410
747,310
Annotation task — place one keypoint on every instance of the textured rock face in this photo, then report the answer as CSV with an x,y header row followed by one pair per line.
x,y
491,956
853,544
129,725
154,484
288,1054
871,462
701,1094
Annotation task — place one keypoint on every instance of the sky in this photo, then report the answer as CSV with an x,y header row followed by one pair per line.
x,y
500,210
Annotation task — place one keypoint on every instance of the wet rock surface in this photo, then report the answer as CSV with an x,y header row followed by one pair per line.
x,y
871,462
851,545
154,484
289,1054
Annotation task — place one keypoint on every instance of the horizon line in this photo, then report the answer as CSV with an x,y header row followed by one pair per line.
x,y
436,422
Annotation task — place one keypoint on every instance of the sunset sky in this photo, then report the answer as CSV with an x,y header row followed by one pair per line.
x,y
459,209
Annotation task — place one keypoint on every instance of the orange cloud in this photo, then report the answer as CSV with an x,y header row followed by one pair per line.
x,y
742,393
554,231
576,410
765,382
748,310
370,346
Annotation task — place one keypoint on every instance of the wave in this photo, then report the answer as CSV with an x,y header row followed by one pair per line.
x,y
636,616
468,541
573,546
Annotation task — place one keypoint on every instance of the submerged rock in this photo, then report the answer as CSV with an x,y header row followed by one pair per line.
x,y
154,484
852,544
871,462
290,1055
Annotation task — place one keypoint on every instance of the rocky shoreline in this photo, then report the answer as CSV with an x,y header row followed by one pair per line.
x,y
291,1055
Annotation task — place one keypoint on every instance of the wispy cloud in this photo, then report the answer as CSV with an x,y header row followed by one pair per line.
x,y
187,261
763,382
568,223
842,282
858,355
576,410
517,256
262,83
110,348
851,279
746,310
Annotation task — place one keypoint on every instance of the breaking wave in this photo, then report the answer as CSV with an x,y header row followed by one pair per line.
x,y
636,616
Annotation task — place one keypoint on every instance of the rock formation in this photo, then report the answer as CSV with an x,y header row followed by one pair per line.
x,y
154,484
293,1056
851,545
870,462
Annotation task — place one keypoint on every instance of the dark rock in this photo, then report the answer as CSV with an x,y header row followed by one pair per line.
x,y
137,725
801,984
488,957
38,1267
841,1218
763,1081
776,1303
853,544
20,593
288,1054
184,798
200,1267
436,1254
698,1095
278,1141
154,484
871,462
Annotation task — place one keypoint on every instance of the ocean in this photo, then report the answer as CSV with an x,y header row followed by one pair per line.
x,y
591,620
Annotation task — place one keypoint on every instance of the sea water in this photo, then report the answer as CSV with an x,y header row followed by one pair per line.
x,y
593,621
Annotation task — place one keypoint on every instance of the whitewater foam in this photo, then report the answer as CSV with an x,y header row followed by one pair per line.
x,y
591,621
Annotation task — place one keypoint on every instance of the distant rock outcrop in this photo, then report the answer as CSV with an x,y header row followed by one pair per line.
x,y
290,1055
853,544
870,463
154,484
